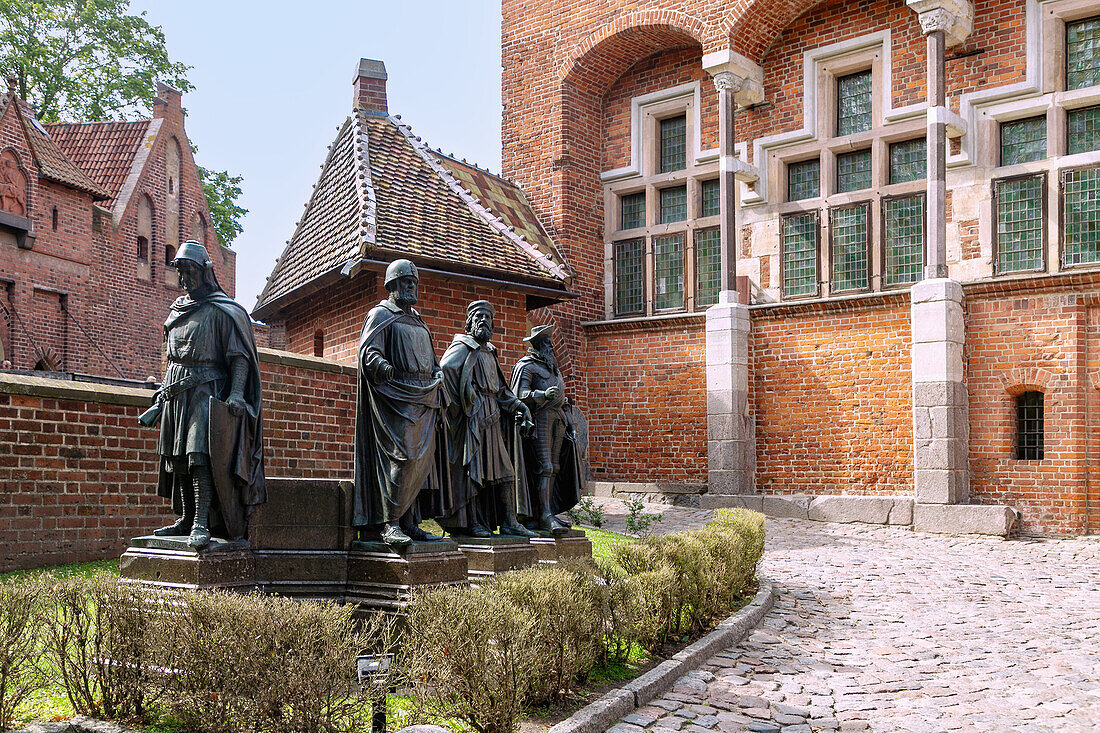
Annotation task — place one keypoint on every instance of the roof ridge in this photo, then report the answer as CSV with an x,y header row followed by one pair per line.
x,y
494,221
305,212
368,204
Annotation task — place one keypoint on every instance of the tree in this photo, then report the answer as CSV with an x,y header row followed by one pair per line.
x,y
84,59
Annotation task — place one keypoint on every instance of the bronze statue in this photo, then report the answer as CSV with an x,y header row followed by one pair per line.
x,y
484,419
400,440
555,470
211,428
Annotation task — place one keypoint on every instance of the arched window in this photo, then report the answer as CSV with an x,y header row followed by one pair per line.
x,y
198,228
55,218
169,255
319,343
142,249
1029,426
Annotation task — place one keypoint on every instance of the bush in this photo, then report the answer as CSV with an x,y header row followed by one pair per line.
x,y
98,636
638,521
20,632
468,654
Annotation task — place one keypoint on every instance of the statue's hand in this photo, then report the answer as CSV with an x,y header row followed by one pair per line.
x,y
385,373
551,393
237,405
526,424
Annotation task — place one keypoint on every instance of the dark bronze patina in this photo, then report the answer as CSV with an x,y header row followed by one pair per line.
x,y
400,439
554,460
484,423
211,429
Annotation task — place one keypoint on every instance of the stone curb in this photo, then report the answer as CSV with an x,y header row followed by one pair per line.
x,y
79,724
605,712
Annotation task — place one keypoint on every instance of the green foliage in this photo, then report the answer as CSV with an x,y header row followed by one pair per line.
x,y
638,521
587,511
84,59
603,542
222,191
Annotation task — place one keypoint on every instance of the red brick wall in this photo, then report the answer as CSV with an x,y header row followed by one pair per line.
x,y
1041,341
647,403
78,474
831,392
338,312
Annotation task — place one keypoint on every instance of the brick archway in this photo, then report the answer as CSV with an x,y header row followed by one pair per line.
x,y
757,23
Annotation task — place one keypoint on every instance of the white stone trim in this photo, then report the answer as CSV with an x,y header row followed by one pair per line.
x,y
122,198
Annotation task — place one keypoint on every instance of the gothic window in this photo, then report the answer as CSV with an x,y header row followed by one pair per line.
x,y
54,219
198,228
142,249
169,255
144,237
1029,426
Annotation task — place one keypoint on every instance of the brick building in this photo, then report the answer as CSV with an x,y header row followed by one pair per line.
x,y
825,249
90,216
384,194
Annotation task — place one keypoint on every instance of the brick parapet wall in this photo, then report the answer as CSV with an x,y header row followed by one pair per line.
x,y
78,473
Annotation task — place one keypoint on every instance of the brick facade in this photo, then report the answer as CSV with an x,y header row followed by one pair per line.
x,y
80,292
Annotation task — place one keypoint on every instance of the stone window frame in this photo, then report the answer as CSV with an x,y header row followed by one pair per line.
x,y
884,131
882,244
1043,218
647,178
1062,172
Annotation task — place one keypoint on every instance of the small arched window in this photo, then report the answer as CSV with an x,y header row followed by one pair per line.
x,y
1029,426
169,255
55,218
319,343
143,249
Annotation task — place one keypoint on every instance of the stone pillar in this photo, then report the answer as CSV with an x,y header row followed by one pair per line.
x,y
731,440
940,417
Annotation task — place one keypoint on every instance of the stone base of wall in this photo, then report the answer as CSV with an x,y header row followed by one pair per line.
x,y
901,511
673,494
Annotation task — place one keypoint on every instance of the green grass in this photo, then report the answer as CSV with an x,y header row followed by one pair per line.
x,y
603,542
69,570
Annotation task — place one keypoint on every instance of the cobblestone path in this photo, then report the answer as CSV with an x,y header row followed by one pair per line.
x,y
883,629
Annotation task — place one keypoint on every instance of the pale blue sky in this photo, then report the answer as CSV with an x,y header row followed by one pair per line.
x,y
273,82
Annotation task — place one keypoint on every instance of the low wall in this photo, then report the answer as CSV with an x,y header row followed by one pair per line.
x,y
78,473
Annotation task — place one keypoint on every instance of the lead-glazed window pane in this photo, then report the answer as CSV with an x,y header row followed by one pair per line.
x,y
849,247
1083,130
1023,141
853,171
674,144
674,204
1081,197
908,161
799,255
1019,224
903,229
1083,53
804,180
853,94
633,210
629,280
712,205
708,260
668,270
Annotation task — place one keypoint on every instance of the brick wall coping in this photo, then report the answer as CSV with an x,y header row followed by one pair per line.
x,y
641,323
834,303
107,394
294,359
1073,280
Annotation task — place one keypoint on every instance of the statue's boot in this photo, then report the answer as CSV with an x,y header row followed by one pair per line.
x,y
478,530
509,526
182,526
393,536
547,521
204,494
414,532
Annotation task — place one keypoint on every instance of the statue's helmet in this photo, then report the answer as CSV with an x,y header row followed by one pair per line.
x,y
195,252
399,269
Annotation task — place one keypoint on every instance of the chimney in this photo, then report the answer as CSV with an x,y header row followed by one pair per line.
x,y
168,104
370,86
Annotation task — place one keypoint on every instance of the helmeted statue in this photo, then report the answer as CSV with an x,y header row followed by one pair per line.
x,y
555,469
483,418
400,438
209,409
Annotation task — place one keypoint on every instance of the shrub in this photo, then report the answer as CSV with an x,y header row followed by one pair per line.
x,y
20,632
638,521
97,639
587,511
467,653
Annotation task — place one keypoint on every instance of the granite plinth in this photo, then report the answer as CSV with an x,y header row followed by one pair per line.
x,y
382,577
169,562
487,556
570,545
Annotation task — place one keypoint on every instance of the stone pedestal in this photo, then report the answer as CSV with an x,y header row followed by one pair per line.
x,y
731,440
301,536
572,545
381,577
487,556
940,422
169,562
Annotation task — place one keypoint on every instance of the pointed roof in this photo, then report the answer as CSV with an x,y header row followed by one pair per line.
x,y
104,150
52,163
384,194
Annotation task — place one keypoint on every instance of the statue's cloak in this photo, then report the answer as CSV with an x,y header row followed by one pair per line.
x,y
400,438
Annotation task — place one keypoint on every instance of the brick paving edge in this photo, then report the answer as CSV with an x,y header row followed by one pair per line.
x,y
600,715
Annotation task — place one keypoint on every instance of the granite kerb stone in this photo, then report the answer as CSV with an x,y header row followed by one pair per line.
x,y
603,713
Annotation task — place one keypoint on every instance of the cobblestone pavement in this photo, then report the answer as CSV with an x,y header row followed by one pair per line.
x,y
883,629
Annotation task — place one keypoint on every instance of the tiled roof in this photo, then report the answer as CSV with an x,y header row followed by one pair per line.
x,y
52,163
103,150
383,194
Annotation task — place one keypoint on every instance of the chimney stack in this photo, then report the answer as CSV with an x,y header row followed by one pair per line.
x,y
168,104
370,86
